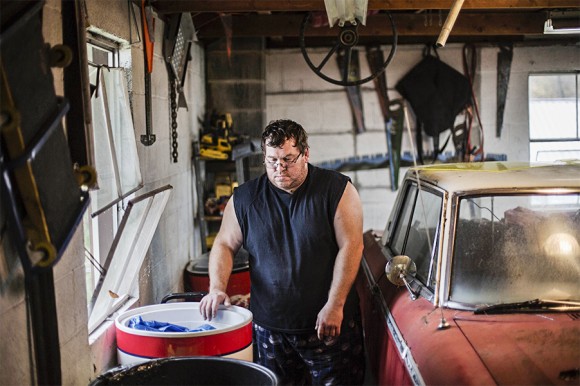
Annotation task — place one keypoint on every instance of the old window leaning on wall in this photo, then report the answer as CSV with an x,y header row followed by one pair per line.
x,y
119,226
554,116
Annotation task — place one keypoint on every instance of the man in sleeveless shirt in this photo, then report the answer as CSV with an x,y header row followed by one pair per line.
x,y
302,227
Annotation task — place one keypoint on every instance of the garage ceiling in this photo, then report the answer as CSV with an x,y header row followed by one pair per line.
x,y
416,21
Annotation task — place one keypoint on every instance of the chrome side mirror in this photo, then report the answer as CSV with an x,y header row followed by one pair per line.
x,y
398,268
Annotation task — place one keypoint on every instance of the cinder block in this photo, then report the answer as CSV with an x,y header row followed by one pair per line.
x,y
239,66
329,147
14,350
371,142
229,96
372,110
74,318
249,122
237,44
75,366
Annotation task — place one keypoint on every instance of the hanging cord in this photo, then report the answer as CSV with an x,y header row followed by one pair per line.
x,y
469,72
406,115
99,68
443,323
94,262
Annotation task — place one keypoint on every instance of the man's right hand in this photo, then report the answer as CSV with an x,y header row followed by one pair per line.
x,y
209,304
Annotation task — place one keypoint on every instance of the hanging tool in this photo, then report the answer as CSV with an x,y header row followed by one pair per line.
x,y
351,73
469,68
148,22
504,64
179,36
392,115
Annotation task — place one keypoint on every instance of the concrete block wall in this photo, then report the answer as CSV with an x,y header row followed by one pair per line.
x,y
235,82
294,91
515,133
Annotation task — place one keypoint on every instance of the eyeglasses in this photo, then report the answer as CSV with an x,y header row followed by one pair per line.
x,y
286,162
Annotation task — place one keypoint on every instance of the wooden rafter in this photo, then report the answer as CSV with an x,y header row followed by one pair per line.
x,y
228,6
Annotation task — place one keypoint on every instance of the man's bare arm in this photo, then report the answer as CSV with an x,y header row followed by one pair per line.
x,y
221,259
348,223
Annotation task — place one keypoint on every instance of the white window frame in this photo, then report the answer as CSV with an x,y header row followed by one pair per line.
x,y
117,234
547,141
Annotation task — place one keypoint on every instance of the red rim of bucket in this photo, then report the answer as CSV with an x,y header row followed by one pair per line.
x,y
165,344
154,347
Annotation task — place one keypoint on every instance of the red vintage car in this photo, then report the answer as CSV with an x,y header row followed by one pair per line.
x,y
476,277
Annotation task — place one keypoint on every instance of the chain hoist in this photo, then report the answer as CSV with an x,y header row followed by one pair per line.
x,y
173,101
179,36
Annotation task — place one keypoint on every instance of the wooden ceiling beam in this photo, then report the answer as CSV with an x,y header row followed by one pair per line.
x,y
489,24
229,6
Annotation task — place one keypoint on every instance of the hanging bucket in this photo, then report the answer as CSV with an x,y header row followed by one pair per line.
x,y
231,338
189,371
196,277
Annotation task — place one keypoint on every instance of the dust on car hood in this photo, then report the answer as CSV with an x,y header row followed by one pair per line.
x,y
532,349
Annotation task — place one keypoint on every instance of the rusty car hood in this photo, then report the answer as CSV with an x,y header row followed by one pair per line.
x,y
527,349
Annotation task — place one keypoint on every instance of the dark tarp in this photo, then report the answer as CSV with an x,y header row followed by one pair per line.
x,y
436,92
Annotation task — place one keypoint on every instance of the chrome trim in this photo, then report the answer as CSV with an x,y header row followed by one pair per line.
x,y
454,199
400,343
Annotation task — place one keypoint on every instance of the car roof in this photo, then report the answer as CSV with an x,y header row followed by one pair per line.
x,y
462,177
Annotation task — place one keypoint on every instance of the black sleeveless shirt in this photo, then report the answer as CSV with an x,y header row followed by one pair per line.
x,y
292,248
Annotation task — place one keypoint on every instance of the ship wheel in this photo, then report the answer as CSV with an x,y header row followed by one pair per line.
x,y
347,39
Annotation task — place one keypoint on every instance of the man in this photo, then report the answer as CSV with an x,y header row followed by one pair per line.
x,y
302,227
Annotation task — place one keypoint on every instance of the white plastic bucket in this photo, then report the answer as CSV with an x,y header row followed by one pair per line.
x,y
232,337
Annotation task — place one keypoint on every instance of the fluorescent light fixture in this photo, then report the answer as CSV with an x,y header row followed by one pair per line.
x,y
346,10
549,29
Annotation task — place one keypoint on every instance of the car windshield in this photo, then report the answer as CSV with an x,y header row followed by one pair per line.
x,y
511,248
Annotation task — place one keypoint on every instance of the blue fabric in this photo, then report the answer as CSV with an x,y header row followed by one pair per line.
x,y
151,325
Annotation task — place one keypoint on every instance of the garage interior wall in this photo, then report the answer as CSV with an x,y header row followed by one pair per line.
x,y
292,91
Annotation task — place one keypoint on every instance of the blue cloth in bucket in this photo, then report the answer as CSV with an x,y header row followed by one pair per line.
x,y
151,325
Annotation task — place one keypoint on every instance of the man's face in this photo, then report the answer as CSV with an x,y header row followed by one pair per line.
x,y
285,166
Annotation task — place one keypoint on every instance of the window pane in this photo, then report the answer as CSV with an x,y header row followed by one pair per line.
x,y
127,253
516,248
400,232
554,151
123,130
422,232
107,190
553,106
117,162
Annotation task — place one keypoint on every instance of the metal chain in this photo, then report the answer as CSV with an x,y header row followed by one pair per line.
x,y
174,153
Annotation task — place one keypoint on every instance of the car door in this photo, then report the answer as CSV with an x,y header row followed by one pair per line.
x,y
413,230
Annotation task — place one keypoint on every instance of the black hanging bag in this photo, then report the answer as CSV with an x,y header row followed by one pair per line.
x,y
437,93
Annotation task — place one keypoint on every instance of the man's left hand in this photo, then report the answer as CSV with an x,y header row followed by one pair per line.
x,y
328,322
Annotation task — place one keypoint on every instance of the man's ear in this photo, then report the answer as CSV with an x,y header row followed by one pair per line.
x,y
306,154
